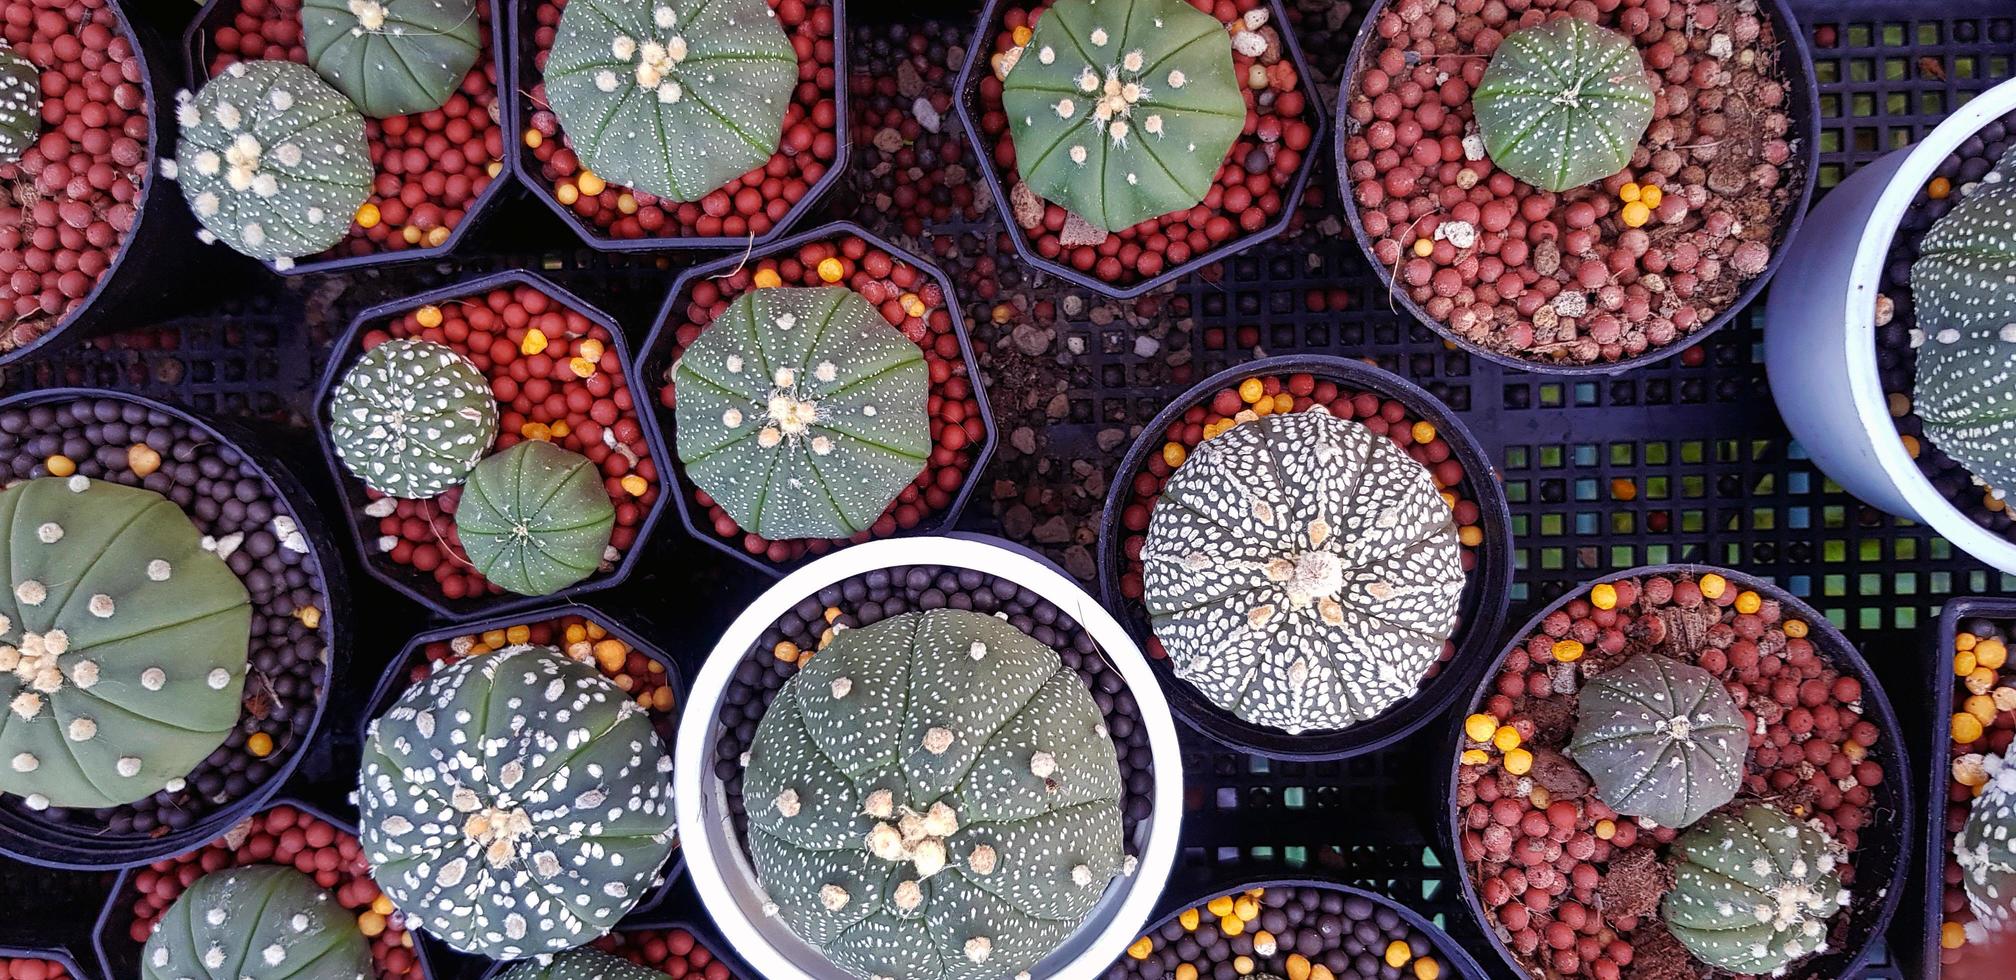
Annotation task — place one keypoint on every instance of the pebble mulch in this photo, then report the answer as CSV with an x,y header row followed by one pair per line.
x,y
1297,932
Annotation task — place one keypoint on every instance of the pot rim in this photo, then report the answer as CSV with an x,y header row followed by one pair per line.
x,y
1937,842
703,936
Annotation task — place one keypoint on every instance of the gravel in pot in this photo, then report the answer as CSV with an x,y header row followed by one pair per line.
x,y
32,964
909,165
671,947
1973,722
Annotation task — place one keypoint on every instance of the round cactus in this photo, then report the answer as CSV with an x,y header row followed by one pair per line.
x,y
535,518
1967,315
1754,890
1123,112
122,644
1986,847
1661,739
1302,572
20,104
1563,104
412,417
515,804
582,964
272,160
802,412
934,796
392,57
672,97
256,921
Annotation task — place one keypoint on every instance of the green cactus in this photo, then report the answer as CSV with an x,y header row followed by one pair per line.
x,y
1967,322
122,644
1563,104
802,412
272,160
1661,739
412,417
582,964
535,518
1986,847
392,57
672,97
1124,112
20,104
1754,890
260,920
934,796
515,804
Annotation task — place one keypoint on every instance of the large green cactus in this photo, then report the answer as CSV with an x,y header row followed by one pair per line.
x,y
272,160
122,644
392,57
802,412
934,796
1123,111
535,518
672,97
412,417
1661,739
515,804
582,964
1986,847
1967,316
1563,104
256,921
1754,890
20,104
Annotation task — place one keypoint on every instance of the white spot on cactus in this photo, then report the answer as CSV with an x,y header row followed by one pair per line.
x,y
208,163
880,804
827,371
978,651
769,438
49,533
937,740
1947,336
1088,80
909,895
1042,765
79,483
606,80
1047,55
213,958
84,674
186,115
101,606
734,364
36,801
840,687
227,115
821,445
623,47
833,897
1133,60
281,99
886,842
26,762
218,678
787,802
982,860
785,377
929,857
732,418
206,204
665,17
253,233
1118,131
1081,875
978,948
30,592
669,92
153,678
1078,155
1153,124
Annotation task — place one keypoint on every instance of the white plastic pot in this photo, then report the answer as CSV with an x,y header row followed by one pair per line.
x,y
721,870
1820,334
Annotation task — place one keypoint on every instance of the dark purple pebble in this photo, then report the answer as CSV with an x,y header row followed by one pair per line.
x,y
1347,934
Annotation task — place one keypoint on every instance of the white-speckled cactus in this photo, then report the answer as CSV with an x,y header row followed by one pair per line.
x,y
1563,104
535,518
934,797
1662,739
260,920
1302,572
582,964
1986,849
412,417
515,804
392,57
20,104
272,160
802,412
1123,110
1754,890
1967,329
672,97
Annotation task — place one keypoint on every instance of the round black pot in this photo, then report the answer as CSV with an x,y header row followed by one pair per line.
x,y
704,937
1480,615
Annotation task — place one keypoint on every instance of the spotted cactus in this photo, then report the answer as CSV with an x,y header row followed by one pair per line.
x,y
934,796
392,57
20,104
122,644
412,417
1563,104
272,160
802,412
1302,572
535,518
515,804
261,920
1986,848
1967,315
1754,890
1661,739
672,97
1123,111
582,964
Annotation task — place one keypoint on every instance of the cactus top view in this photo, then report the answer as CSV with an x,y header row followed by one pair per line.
x,y
20,104
392,57
1967,328
411,418
1563,104
261,920
535,518
1986,849
1661,739
1754,890
582,964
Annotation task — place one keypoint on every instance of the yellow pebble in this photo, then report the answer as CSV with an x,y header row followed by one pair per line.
x,y
411,233
1174,454
59,465
626,203
1506,738
367,215
1475,757
382,904
1021,35
1606,829
1603,596
1246,909
1426,968
1480,727
595,630
558,429
533,138
142,459
1651,195
310,616
913,304
1142,946
259,744
534,342
785,650
1321,972
515,635
830,270
1981,706
1628,193
768,279
1264,943
494,167
536,430
1423,247
1242,965
1283,402
1470,535
575,634
567,194
610,655
1423,432
1397,954
1981,681
437,237
1298,967
1635,214
371,924
1187,919
1713,585
1991,654
1966,728
1965,641
635,485
1232,925
1952,935
1251,389
590,183
1265,406
1518,762
428,317
582,367
1220,906
493,638
1748,602
1795,628
1567,651
1185,971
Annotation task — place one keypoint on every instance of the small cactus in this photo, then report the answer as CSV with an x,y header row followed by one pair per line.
x,y
672,97
1124,111
392,57
256,921
582,964
934,797
1986,848
1661,739
1754,890
412,417
20,104
272,160
1563,104
1967,315
802,412
535,518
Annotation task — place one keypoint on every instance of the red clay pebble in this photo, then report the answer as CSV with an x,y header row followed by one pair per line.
x,y
674,952
29,968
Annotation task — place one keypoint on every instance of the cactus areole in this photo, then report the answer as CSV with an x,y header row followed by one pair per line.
x,y
671,97
1967,318
535,518
515,804
1986,849
256,921
1123,110
582,964
802,412
1563,104
1302,572
392,57
20,104
1661,739
934,797
122,644
1754,890
412,417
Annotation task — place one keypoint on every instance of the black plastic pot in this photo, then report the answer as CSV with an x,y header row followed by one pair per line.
x,y
656,360
521,161
977,68
420,586
1485,594
1884,857
1802,104
50,844
704,937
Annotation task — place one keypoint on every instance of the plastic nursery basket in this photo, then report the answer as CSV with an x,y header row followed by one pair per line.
x,y
57,956
703,938
1802,103
977,67
1882,863
196,43
1484,596
651,367
519,158
51,845
721,870
415,585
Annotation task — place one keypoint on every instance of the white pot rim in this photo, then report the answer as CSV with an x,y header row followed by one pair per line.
x,y
708,846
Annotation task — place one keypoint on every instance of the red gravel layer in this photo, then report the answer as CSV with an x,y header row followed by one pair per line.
x,y
30,968
674,952
751,204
